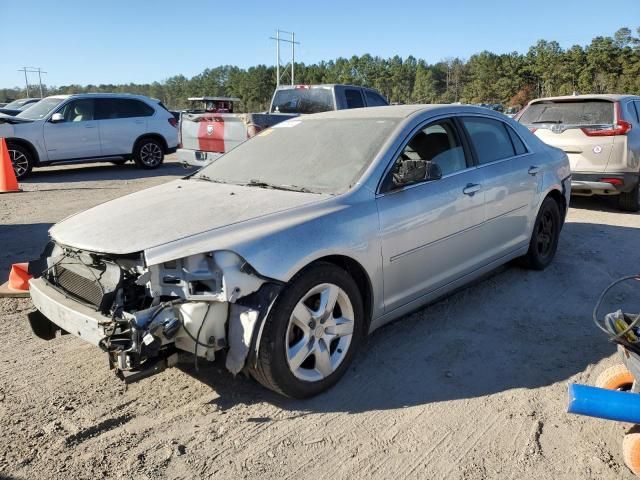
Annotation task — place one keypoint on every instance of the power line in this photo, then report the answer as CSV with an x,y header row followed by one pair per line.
x,y
37,70
293,43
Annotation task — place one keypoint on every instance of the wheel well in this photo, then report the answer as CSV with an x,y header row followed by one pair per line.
x,y
361,278
561,201
28,146
155,136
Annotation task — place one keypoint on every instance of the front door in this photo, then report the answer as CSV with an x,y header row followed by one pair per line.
x,y
77,136
429,230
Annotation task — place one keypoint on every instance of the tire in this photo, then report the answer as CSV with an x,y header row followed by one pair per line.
x,y
630,201
304,353
631,449
616,377
148,153
545,236
24,157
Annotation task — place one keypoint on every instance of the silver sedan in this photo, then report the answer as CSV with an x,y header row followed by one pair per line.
x,y
285,252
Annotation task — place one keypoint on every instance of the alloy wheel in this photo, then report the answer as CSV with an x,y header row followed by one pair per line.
x,y
20,162
151,154
319,332
545,234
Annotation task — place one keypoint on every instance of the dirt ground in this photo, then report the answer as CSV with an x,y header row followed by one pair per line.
x,y
472,387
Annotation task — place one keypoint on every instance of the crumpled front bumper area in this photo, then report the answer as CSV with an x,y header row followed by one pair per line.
x,y
64,313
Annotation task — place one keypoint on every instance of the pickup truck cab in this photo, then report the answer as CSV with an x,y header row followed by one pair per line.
x,y
207,134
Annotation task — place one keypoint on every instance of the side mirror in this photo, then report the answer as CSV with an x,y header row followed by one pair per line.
x,y
414,171
57,118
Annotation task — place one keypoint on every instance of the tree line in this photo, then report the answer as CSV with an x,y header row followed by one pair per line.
x,y
606,65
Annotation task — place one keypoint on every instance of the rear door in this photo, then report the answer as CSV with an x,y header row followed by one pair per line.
x,y
77,136
510,179
121,122
572,125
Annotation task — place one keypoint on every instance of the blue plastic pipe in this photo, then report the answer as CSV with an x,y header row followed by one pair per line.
x,y
602,403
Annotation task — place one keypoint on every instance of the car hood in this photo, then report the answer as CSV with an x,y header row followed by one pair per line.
x,y
174,211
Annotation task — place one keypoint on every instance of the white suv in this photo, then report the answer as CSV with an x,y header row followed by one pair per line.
x,y
90,127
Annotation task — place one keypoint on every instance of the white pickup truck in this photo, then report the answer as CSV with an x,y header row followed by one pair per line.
x,y
207,133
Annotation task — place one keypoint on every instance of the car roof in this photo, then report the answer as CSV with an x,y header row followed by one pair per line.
x,y
595,96
400,111
102,95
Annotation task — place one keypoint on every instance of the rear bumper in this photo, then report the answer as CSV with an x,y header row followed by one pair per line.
x,y
602,183
67,314
194,158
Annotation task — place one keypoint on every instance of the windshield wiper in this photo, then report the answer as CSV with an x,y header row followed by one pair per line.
x,y
206,178
548,121
289,188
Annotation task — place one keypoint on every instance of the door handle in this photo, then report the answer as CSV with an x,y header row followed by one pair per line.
x,y
533,170
471,189
89,126
139,122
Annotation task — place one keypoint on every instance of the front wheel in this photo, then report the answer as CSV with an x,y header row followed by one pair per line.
x,y
311,334
148,153
21,159
545,236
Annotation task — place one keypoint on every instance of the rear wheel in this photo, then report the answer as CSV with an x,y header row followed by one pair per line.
x,y
148,153
544,239
21,159
311,334
630,201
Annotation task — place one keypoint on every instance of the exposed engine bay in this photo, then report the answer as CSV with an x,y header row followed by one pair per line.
x,y
146,315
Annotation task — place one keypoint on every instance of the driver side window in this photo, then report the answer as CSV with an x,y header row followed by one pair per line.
x,y
438,143
78,110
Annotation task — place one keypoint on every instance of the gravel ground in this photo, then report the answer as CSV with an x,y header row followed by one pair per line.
x,y
472,387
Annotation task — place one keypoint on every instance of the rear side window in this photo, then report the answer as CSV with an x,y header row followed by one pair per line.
x,y
636,104
354,98
517,143
112,108
374,100
490,139
582,112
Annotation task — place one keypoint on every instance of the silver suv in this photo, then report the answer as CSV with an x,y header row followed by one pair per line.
x,y
90,127
601,136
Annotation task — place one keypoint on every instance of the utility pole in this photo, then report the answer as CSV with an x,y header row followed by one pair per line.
x,y
39,71
293,43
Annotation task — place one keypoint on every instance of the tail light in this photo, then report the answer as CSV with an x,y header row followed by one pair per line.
x,y
621,127
612,181
173,122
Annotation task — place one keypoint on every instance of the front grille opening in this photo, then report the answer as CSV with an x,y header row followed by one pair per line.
x,y
83,288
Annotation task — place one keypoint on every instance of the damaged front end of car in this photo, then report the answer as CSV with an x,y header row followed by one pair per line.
x,y
142,315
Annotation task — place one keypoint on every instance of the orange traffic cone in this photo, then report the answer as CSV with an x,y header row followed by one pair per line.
x,y
8,181
18,284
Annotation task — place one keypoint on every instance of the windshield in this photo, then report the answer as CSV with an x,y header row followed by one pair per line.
x,y
303,100
40,109
16,104
315,155
581,112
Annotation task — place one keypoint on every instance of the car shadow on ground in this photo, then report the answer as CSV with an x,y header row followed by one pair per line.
x,y
102,171
514,329
603,203
21,243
